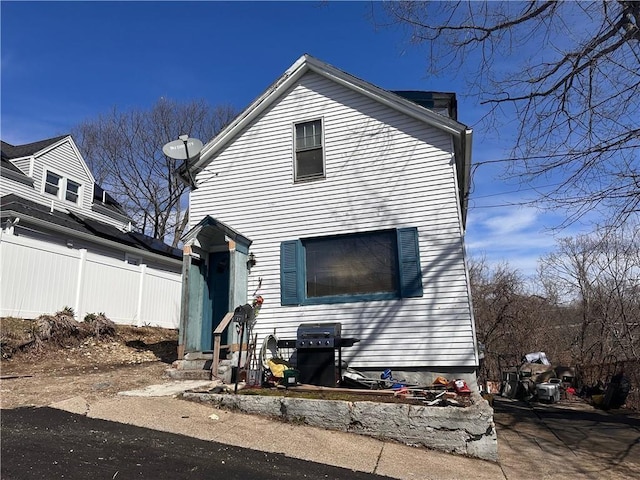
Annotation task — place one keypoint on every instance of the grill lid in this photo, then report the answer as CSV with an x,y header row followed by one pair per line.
x,y
319,330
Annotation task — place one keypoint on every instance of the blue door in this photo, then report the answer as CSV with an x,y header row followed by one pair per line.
x,y
216,298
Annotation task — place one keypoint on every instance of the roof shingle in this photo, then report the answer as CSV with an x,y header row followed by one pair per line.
x,y
18,151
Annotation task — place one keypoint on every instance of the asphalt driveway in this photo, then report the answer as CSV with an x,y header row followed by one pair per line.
x,y
174,437
47,443
566,440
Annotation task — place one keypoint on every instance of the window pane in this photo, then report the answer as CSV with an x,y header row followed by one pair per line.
x,y
351,265
52,183
308,135
309,164
73,189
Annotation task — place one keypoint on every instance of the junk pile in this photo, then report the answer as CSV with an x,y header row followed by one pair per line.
x,y
279,373
442,392
537,379
313,363
613,394
612,386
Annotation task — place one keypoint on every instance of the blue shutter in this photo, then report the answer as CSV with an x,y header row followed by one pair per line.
x,y
290,266
409,262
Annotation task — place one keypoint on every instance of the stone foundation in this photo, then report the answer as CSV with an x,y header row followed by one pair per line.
x,y
466,431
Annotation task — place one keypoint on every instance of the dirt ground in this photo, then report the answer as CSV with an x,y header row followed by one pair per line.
x,y
133,358
88,367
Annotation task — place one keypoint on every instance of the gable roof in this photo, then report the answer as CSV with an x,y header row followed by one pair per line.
x,y
10,152
210,228
462,135
5,163
436,101
14,206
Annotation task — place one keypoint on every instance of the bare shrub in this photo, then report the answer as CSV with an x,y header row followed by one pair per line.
x,y
59,329
8,344
99,326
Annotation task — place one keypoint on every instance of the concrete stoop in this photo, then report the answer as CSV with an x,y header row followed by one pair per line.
x,y
466,431
198,368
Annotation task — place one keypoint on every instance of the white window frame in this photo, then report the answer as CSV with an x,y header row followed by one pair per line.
x,y
75,194
62,188
298,148
57,186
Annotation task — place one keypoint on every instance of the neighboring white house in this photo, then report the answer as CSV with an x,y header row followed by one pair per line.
x,y
352,201
64,242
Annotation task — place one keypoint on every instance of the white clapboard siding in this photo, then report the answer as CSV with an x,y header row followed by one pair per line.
x,y
383,170
23,164
39,277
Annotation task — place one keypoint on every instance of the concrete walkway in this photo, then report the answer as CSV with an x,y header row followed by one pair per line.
x,y
533,442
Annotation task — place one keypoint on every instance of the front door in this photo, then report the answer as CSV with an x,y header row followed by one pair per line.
x,y
216,299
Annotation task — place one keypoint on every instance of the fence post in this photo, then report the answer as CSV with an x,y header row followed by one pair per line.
x,y
82,261
143,272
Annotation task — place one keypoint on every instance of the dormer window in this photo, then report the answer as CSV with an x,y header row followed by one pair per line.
x,y
309,161
55,185
52,184
73,191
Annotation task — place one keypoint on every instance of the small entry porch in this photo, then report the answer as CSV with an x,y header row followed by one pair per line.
x,y
214,281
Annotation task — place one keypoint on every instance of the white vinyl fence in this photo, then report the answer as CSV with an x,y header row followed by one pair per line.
x,y
40,278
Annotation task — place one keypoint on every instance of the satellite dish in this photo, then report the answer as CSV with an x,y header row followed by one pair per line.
x,y
183,149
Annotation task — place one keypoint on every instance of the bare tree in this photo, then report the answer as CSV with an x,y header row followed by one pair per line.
x,y
124,151
568,73
511,322
600,274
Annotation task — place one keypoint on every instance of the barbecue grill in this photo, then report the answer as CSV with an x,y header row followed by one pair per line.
x,y
316,345
318,335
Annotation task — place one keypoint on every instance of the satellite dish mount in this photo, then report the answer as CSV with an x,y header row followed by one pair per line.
x,y
184,148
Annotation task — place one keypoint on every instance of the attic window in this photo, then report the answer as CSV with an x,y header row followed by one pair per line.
x,y
52,183
73,191
309,162
61,187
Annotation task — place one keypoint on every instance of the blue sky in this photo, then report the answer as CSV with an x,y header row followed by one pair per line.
x,y
65,62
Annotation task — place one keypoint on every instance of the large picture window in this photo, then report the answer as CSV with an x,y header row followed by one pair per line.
x,y
351,265
346,268
309,161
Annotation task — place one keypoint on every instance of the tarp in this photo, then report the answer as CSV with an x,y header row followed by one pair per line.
x,y
537,357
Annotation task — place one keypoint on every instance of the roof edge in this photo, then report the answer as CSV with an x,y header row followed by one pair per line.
x,y
93,238
291,75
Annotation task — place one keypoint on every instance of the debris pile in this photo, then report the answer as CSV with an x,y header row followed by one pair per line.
x,y
312,363
280,374
58,330
537,379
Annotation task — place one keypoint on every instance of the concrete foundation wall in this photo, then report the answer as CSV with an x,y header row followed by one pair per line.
x,y
465,431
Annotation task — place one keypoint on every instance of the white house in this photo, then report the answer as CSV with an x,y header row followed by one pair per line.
x,y
352,201
65,242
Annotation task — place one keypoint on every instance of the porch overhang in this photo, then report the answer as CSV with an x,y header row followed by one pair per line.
x,y
209,232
